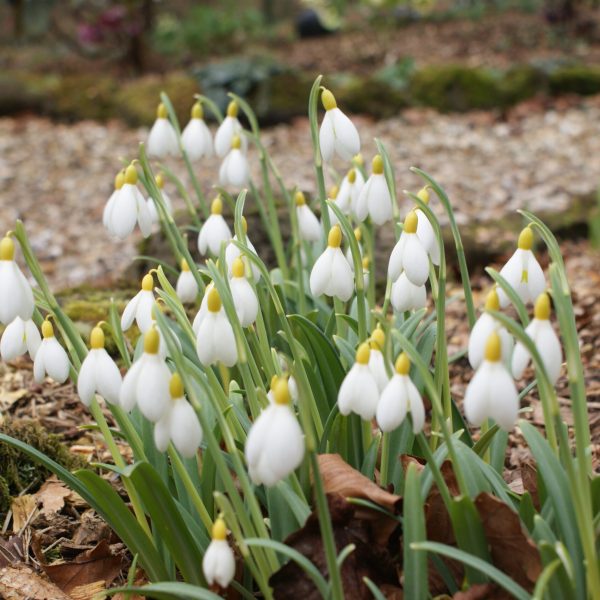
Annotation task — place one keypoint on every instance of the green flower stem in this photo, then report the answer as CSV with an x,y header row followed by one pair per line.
x,y
223,405
183,193
297,250
385,459
339,308
370,253
390,178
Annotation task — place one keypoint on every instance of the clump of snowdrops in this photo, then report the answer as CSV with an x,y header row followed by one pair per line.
x,y
244,375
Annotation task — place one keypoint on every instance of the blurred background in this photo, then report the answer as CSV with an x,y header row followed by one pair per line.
x,y
498,99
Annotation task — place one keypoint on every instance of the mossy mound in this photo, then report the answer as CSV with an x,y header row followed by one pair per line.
x,y
577,79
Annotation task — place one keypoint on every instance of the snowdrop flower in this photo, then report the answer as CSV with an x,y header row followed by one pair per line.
x,y
215,340
399,397
337,134
331,274
332,197
140,307
308,224
20,337
375,198
16,297
482,330
229,128
359,392
409,255
98,374
377,360
523,272
160,182
203,310
425,230
218,564
232,252
543,336
179,424
234,169
492,392
292,387
214,231
350,189
162,140
119,181
406,295
50,357
358,238
275,443
146,384
186,287
127,208
196,138
244,297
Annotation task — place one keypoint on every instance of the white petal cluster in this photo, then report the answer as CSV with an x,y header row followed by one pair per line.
x,y
425,230
244,297
162,140
215,230
377,361
98,374
337,134
50,358
139,308
196,138
218,564
406,295
16,297
400,397
409,255
359,392
234,170
542,334
232,252
331,274
275,443
186,286
375,199
20,337
203,310
350,190
160,182
308,224
229,128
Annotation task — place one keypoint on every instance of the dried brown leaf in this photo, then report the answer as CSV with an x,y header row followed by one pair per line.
x,y
19,582
22,508
52,496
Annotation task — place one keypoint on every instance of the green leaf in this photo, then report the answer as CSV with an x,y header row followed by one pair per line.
x,y
377,594
168,590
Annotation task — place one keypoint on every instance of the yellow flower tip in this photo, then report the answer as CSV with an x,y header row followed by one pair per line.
x,y
148,282
237,268
273,381
526,239
328,100
423,195
411,221
541,310
333,192
7,249
119,180
299,198
161,111
378,337
358,160
281,391
352,175
184,265
492,301
219,530
377,165
97,338
402,364
232,109
131,175
244,224
366,262
160,181
236,142
334,239
151,341
493,348
47,329
216,208
197,112
363,353
176,386
358,234
214,301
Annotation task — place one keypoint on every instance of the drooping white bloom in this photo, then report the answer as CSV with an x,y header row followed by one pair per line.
x,y
127,208
359,392
425,230
196,138
119,181
162,140
229,128
234,170
214,231
146,384
331,273
523,272
406,295
19,337
374,199
409,255
179,424
492,392
16,297
483,328
232,252
308,224
160,182
186,287
140,307
244,297
377,362
337,134
292,387
350,189
218,564
50,358
215,341
275,443
542,334
399,397
98,374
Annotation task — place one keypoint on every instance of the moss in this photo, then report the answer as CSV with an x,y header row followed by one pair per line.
x,y
579,79
373,97
521,82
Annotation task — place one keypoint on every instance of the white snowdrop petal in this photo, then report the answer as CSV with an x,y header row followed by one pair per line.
x,y
310,229
127,395
228,128
477,397
162,432
108,208
236,171
245,301
347,140
224,341
86,380
185,429
549,347
480,334
377,368
12,343
144,217
33,339
327,137
416,407
9,306
396,264
162,140
108,377
426,234
321,272
504,400
520,360
392,406
415,261
512,272
129,313
342,278
536,281
284,447
380,200
56,361
39,364
218,563
186,287
143,313
26,303
152,390
360,208
205,343
257,436
124,213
